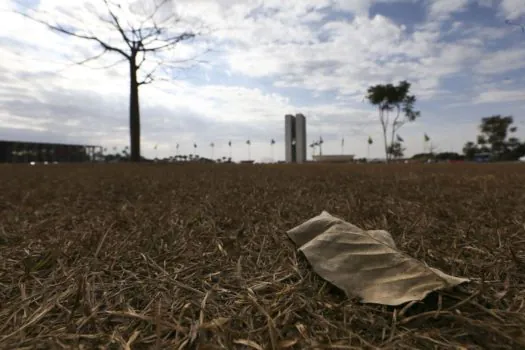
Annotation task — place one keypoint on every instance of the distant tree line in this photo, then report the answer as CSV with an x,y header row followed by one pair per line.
x,y
124,156
396,107
494,143
496,140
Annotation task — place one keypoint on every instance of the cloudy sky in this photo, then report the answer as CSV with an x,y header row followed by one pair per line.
x,y
258,60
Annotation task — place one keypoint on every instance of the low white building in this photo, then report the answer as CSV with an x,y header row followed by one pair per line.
x,y
334,158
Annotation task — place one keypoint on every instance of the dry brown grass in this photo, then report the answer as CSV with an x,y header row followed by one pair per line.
x,y
196,257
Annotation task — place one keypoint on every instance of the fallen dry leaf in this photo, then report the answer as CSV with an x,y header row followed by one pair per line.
x,y
284,344
366,264
249,343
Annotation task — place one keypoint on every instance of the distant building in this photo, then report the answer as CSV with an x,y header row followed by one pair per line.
x,y
39,152
482,157
295,138
334,158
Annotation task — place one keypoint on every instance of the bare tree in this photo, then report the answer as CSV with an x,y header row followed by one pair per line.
x,y
395,98
146,37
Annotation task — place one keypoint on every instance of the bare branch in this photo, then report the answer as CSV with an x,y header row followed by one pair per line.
x,y
111,65
143,40
176,64
62,30
92,58
149,76
116,24
169,70
148,36
155,11
172,65
169,42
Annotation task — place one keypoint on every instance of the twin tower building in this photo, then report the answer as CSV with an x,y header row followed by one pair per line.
x,y
295,138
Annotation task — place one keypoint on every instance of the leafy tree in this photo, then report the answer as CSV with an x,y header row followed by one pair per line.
x,y
393,99
125,152
438,156
145,34
422,156
370,142
494,132
249,143
494,139
396,150
448,156
470,149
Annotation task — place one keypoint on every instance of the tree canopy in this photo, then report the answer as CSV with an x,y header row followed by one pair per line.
x,y
395,99
495,139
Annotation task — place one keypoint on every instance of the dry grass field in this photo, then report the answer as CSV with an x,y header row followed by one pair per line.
x,y
163,256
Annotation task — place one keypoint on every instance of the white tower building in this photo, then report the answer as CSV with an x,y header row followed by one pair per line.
x,y
295,138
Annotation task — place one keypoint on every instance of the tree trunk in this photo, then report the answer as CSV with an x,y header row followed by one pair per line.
x,y
384,126
394,129
134,111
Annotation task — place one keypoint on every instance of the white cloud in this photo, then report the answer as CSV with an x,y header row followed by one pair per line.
x,y
485,3
358,7
498,96
442,9
502,61
512,9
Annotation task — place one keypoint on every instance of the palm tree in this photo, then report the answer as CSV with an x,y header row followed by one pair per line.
x,y
314,145
370,142
230,147
212,145
426,140
320,144
194,148
248,142
272,143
